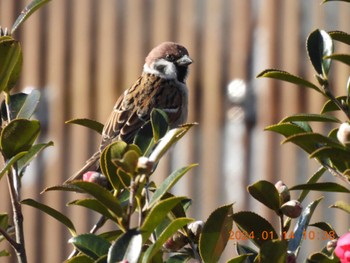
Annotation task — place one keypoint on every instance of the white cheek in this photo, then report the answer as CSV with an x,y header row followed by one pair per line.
x,y
162,68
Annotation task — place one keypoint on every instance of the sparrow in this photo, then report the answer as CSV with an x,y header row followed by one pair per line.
x,y
161,85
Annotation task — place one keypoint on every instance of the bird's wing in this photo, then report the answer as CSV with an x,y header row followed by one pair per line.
x,y
134,107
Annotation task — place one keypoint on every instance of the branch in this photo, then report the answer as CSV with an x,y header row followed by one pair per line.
x,y
13,243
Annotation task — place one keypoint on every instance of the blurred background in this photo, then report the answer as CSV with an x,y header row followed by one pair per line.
x,y
82,54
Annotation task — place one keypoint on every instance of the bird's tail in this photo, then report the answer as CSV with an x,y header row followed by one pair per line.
x,y
92,164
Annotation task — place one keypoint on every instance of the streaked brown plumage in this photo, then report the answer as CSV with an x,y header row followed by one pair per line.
x,y
161,85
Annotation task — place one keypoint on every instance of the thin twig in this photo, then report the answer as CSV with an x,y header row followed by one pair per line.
x,y
13,243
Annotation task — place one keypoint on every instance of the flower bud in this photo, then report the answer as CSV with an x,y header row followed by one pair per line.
x,y
195,229
97,178
292,208
343,133
175,242
283,191
331,244
342,249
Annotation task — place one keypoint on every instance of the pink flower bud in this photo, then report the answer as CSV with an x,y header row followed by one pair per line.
x,y
95,177
343,133
283,191
195,229
176,242
342,249
292,208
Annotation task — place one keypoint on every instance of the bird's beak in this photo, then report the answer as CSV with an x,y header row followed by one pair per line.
x,y
184,61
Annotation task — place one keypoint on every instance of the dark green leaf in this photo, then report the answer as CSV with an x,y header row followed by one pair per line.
x,y
144,139
104,196
126,248
323,187
215,234
273,251
339,157
266,193
80,259
94,205
344,58
4,253
29,106
340,36
168,140
168,183
91,245
320,45
64,187
240,259
10,163
301,226
285,76
167,233
285,129
31,154
11,63
342,205
157,214
331,106
52,212
313,179
311,117
18,136
16,102
255,226
327,228
27,11
159,121
320,257
244,250
91,124
4,219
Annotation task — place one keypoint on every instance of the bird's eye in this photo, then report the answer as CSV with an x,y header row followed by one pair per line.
x,y
170,57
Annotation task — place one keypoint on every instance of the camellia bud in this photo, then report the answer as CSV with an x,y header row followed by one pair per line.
x,y
96,177
283,191
195,229
292,208
343,133
175,242
331,244
144,165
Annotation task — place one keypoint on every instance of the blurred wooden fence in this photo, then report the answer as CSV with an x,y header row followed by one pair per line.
x,y
83,53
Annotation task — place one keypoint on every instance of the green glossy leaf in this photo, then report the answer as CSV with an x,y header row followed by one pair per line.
x,y
11,63
144,139
323,187
64,187
127,247
16,102
30,155
331,106
311,117
340,36
91,124
52,212
159,121
246,250
168,140
240,259
255,225
326,228
4,253
285,76
342,206
313,179
10,163
104,196
29,106
266,193
129,162
344,58
157,214
94,205
310,142
301,226
4,219
27,12
163,237
168,183
339,157
319,45
320,257
91,245
18,136
215,234
273,251
80,259
285,129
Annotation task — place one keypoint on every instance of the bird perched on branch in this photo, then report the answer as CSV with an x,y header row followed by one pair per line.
x,y
161,85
